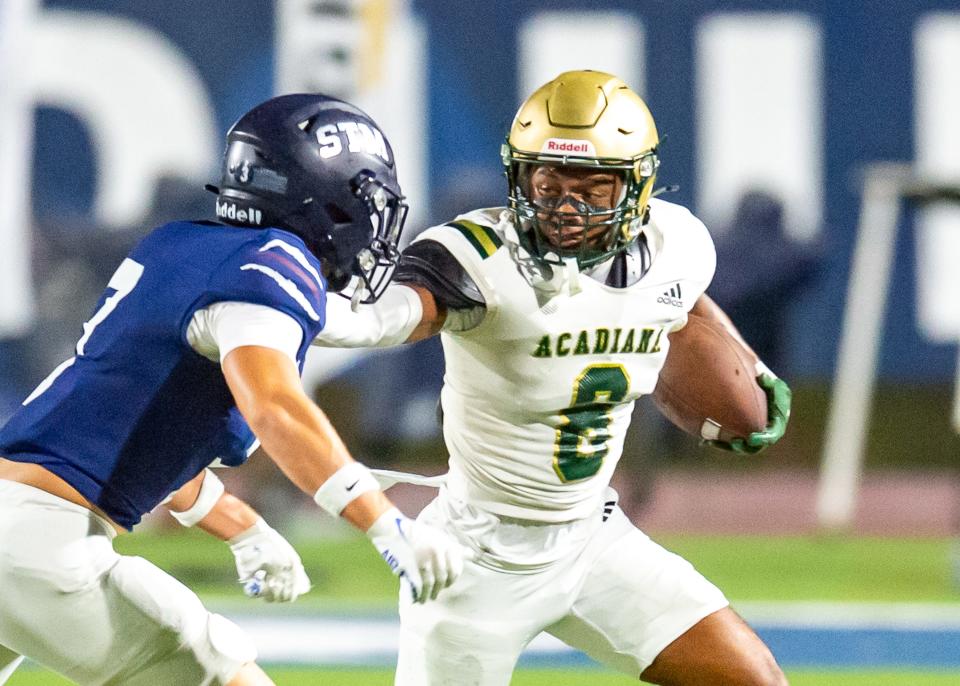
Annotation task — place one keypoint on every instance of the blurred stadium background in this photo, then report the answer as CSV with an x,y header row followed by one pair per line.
x,y
819,141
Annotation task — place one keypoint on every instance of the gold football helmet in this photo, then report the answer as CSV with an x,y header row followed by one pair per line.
x,y
581,122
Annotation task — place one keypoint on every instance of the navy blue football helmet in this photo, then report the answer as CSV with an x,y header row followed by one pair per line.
x,y
322,169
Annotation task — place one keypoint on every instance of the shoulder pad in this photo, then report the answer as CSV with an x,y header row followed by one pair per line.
x,y
430,264
682,239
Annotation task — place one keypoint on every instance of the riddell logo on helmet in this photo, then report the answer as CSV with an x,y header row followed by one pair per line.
x,y
229,210
569,146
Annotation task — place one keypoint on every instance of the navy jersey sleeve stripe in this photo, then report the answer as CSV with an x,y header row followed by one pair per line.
x,y
289,287
297,255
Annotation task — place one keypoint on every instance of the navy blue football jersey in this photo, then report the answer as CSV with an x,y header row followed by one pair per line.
x,y
136,413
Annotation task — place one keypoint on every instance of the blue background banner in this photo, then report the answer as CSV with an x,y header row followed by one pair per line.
x,y
472,51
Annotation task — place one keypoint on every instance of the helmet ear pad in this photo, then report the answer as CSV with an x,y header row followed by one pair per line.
x,y
334,237
338,248
337,279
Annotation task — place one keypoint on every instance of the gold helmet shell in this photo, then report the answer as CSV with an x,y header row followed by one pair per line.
x,y
584,119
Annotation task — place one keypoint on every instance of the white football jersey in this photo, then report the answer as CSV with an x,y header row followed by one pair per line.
x,y
537,398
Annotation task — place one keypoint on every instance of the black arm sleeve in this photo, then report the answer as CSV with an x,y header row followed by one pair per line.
x,y
430,265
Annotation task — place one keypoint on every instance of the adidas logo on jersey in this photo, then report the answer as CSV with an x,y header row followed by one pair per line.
x,y
671,297
229,210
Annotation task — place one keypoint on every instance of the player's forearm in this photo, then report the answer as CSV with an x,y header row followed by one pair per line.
x,y
229,517
307,448
203,503
299,437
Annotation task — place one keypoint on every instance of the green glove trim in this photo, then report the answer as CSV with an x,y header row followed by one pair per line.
x,y
779,398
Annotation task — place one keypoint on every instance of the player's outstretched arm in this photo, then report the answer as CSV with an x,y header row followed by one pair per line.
x,y
403,314
268,567
778,393
431,291
298,436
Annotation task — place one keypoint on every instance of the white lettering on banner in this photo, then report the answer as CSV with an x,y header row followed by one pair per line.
x,y
937,136
143,101
17,306
147,108
552,42
121,78
760,89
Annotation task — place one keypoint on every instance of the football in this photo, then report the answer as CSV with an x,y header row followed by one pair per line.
x,y
707,386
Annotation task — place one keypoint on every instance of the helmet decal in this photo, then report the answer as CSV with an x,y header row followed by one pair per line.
x,y
569,146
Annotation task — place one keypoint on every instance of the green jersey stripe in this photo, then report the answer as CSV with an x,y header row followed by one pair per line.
x,y
482,238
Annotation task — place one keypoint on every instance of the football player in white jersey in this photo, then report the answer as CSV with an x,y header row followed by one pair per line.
x,y
554,314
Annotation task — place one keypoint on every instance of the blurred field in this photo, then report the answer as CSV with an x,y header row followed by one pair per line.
x,y
363,677
349,577
349,572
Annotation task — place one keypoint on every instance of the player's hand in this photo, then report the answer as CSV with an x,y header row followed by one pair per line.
x,y
267,565
422,556
779,398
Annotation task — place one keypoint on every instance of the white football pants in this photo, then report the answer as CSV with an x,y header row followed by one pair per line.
x,y
619,597
74,605
9,661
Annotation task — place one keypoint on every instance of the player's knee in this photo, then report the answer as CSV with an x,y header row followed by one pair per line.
x,y
197,640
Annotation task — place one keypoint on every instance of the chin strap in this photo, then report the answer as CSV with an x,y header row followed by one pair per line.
x,y
549,280
537,275
573,275
357,297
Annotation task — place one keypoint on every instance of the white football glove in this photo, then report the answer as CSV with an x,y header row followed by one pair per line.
x,y
267,565
427,558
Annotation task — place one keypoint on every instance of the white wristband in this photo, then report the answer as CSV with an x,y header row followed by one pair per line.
x,y
344,486
210,491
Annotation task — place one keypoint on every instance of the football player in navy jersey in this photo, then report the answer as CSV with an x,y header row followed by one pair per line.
x,y
195,349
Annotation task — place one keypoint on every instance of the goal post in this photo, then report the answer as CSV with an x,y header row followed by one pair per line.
x,y
886,188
